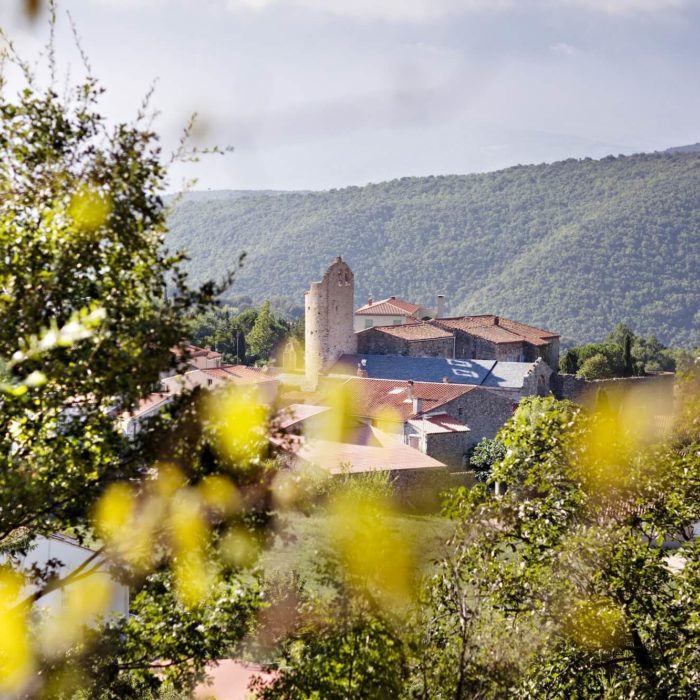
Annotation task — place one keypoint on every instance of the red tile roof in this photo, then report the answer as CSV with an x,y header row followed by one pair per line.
x,y
441,423
156,399
299,412
340,457
192,350
412,331
372,397
240,374
389,307
497,329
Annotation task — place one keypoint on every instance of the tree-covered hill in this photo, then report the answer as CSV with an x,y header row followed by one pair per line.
x,y
575,246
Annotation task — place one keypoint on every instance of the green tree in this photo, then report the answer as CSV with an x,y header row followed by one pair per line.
x,y
573,561
86,329
484,455
596,367
627,356
266,333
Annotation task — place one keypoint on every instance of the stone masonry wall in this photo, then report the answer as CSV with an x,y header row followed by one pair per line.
x,y
655,390
448,448
374,342
329,309
482,411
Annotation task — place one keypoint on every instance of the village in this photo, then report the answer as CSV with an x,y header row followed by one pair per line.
x,y
422,389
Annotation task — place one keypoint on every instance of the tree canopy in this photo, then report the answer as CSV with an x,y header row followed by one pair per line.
x,y
573,247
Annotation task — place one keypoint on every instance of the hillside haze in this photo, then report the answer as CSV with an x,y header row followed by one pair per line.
x,y
574,246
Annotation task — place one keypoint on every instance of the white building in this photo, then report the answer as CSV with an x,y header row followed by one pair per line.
x,y
394,312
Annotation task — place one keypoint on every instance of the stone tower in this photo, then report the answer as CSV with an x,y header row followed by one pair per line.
x,y
329,308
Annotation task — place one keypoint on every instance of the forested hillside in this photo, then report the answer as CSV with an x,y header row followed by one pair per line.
x,y
575,246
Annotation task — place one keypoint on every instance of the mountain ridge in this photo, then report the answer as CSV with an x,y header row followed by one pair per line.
x,y
573,246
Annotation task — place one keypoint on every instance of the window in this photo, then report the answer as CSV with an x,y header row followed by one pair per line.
x,y
397,322
369,323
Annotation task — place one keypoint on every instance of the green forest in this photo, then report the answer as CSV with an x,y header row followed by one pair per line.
x,y
576,246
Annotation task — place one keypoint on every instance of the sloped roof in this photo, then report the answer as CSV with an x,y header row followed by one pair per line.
x,y
157,399
239,374
389,307
497,329
299,412
440,423
192,350
487,373
372,398
411,331
340,457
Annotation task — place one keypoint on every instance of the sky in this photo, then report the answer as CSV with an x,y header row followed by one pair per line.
x,y
320,94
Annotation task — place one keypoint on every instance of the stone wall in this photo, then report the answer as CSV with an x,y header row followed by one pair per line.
x,y
448,448
539,382
329,309
655,390
374,342
484,412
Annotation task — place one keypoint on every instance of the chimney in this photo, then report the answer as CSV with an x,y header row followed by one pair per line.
x,y
495,320
445,380
417,405
392,298
440,311
370,301
410,390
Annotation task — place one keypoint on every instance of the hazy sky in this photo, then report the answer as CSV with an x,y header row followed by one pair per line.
x,y
316,94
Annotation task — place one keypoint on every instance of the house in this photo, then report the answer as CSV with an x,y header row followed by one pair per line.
x,y
209,378
485,337
440,420
489,337
413,339
393,312
199,358
511,380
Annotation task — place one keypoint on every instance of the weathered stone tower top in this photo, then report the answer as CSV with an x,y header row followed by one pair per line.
x,y
329,308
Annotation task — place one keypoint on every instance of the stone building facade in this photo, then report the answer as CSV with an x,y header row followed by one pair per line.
x,y
414,340
329,308
464,338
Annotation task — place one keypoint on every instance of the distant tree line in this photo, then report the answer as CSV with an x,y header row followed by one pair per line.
x,y
573,247
245,334
623,353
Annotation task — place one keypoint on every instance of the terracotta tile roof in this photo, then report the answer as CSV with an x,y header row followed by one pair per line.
x,y
371,398
497,329
156,399
340,457
412,331
298,412
441,423
240,374
192,350
389,307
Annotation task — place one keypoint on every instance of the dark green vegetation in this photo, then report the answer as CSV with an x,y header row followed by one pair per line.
x,y
623,353
580,581
575,246
245,334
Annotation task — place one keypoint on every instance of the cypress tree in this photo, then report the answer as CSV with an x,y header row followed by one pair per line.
x,y
627,356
